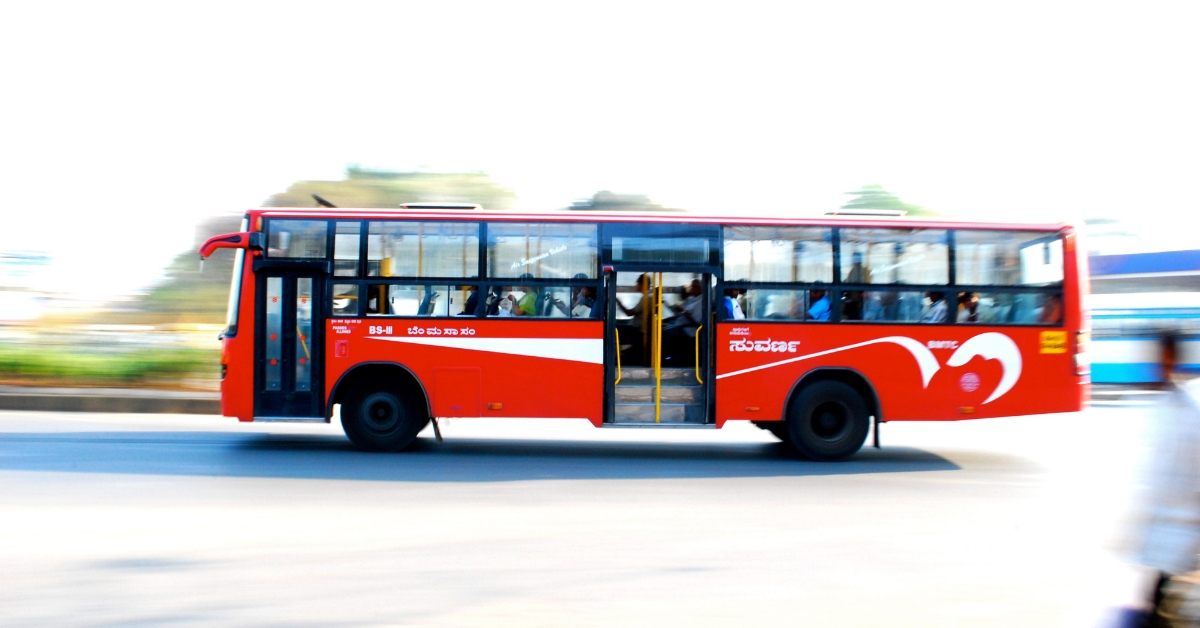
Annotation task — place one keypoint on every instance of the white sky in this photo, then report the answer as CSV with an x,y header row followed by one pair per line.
x,y
124,124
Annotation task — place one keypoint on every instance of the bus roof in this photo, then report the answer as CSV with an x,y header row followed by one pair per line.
x,y
647,217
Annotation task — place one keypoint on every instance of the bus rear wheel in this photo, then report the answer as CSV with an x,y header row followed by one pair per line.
x,y
377,418
827,421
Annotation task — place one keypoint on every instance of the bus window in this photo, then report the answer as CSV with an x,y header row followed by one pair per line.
x,y
778,254
542,251
1002,308
423,249
883,256
418,300
774,304
892,306
345,299
304,239
345,249
540,301
1007,258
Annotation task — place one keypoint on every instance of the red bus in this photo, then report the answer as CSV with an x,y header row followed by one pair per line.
x,y
815,329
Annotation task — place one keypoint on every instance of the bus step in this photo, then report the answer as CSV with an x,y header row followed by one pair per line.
x,y
670,394
645,377
669,413
652,425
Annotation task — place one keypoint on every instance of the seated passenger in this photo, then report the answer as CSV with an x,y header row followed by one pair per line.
x,y
499,305
820,308
733,309
872,307
852,305
472,303
1052,310
968,307
583,302
691,313
936,312
527,304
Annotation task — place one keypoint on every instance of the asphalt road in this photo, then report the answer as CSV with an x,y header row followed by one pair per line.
x,y
190,520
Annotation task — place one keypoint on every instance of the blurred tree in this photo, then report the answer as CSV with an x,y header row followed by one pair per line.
x,y
384,188
608,201
875,197
187,295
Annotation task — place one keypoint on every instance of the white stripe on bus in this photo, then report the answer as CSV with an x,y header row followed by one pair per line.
x,y
589,350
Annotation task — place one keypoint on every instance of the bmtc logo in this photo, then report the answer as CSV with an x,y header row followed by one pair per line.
x,y
989,346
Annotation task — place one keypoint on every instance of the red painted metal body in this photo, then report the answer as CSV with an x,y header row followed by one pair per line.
x,y
935,372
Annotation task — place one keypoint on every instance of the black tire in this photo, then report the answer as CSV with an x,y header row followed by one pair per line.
x,y
827,421
379,418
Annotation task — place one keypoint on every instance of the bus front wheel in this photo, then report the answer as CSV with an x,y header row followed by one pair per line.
x,y
827,421
381,419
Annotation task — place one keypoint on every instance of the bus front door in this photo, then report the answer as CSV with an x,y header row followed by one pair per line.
x,y
659,332
288,348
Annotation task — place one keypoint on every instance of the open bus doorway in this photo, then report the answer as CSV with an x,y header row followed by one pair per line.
x,y
661,329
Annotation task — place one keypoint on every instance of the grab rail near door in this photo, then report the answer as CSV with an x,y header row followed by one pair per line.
x,y
658,316
698,354
618,333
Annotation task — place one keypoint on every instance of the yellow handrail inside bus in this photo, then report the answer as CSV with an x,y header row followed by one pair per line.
x,y
618,333
658,316
303,342
698,354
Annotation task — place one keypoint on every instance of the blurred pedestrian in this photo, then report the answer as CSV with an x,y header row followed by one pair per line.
x,y
1169,535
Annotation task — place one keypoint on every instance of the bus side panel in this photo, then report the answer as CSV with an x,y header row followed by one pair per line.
x,y
523,368
237,354
934,372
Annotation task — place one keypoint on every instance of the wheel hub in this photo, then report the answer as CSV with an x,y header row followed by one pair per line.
x,y
830,421
382,414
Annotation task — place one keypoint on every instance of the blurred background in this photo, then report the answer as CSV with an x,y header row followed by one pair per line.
x,y
132,131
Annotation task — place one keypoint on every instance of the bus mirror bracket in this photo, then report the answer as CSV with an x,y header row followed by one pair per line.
x,y
244,240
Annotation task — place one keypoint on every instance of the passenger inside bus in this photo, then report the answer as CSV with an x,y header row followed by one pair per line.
x,y
819,308
634,331
1052,310
732,307
525,304
968,307
472,303
936,311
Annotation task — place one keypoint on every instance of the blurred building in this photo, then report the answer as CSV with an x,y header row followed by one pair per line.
x,y
1137,298
21,273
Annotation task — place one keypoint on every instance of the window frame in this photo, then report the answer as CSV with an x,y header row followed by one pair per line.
x,y
837,288
482,282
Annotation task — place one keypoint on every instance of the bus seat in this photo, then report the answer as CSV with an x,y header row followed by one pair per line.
x,y
427,304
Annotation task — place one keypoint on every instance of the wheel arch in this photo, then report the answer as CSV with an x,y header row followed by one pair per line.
x,y
844,374
388,371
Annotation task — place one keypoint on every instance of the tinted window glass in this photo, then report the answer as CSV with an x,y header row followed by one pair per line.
x,y
888,306
798,305
345,249
542,251
673,251
345,299
1007,258
1006,307
296,238
422,300
423,249
778,254
889,256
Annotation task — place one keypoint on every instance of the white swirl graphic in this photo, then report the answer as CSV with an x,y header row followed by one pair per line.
x,y
992,346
